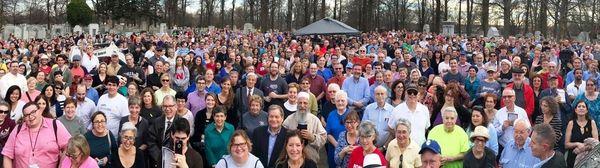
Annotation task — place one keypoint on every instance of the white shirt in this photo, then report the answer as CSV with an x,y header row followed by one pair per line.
x,y
419,120
252,162
506,135
149,54
18,112
114,108
443,68
574,91
89,63
9,79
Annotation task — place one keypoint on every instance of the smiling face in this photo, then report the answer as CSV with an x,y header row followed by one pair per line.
x,y
476,118
294,148
402,134
70,110
15,95
239,148
128,139
219,119
134,110
99,123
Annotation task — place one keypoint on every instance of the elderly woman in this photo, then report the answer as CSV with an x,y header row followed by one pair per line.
x,y
101,139
453,140
480,155
402,151
329,104
239,149
479,118
134,118
70,120
216,136
128,155
335,124
549,108
255,117
294,155
347,140
31,93
368,135
78,154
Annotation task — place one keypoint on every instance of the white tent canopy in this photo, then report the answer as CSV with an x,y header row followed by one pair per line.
x,y
109,51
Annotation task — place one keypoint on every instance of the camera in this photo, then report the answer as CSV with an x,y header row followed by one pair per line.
x,y
302,126
179,147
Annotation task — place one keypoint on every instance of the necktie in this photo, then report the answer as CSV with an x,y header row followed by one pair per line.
x,y
169,124
249,93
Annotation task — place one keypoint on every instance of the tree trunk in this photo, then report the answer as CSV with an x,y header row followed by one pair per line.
x,y
562,21
335,3
469,17
438,16
446,10
232,13
542,24
459,17
222,20
422,19
507,12
323,9
306,12
485,16
47,11
252,4
290,5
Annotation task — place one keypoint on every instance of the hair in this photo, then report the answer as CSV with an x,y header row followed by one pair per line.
x,y
169,97
29,104
587,115
341,95
181,95
294,85
449,109
95,114
524,122
181,125
148,90
545,134
484,117
367,128
135,100
111,79
128,126
493,96
283,157
229,103
10,90
333,86
240,133
403,121
552,104
46,113
352,115
79,142
393,95
278,108
256,98
70,101
219,109
5,104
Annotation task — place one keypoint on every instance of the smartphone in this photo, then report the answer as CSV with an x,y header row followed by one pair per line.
x,y
512,117
179,147
302,127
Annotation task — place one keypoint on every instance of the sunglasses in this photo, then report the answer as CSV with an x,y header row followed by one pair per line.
x,y
4,111
412,92
165,80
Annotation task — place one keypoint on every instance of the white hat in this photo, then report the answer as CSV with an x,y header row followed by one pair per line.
x,y
371,161
43,56
303,95
480,131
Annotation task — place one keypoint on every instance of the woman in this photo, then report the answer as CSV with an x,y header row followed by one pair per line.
x,y
6,124
180,75
590,97
202,119
394,68
505,72
42,103
149,110
98,79
132,90
225,100
31,93
159,94
294,155
426,70
402,151
70,120
78,154
397,96
239,148
49,94
480,156
216,135
182,110
549,108
368,135
297,73
101,139
59,90
197,68
41,80
451,100
128,154
490,106
347,140
13,98
414,76
436,60
140,123
536,85
368,72
452,139
480,118
579,128
291,105
335,124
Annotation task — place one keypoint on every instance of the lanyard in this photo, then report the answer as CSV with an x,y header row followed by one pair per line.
x,y
33,144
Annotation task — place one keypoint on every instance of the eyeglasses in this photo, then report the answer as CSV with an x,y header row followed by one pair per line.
x,y
4,111
166,80
508,96
482,140
30,114
412,92
350,122
72,156
167,106
99,122
239,145
128,138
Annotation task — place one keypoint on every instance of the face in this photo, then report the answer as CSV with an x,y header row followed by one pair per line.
x,y
430,160
305,85
99,123
449,120
294,148
476,118
134,110
411,95
380,95
239,147
112,88
49,92
590,87
274,69
165,81
537,82
275,119
226,85
132,90
128,139
366,141
479,143
169,108
581,109
521,133
4,111
209,75
303,104
508,97
538,148
75,156
255,107
15,95
402,134
313,69
341,103
129,60
70,110
292,93
357,71
219,119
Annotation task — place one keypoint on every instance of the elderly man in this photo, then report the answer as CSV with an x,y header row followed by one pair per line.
x,y
158,132
243,94
431,154
308,125
12,78
357,88
413,111
517,152
113,104
551,71
452,139
507,115
268,140
523,93
153,80
542,147
379,113
480,155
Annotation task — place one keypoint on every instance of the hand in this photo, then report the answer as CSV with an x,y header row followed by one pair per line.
x,y
445,160
358,104
179,161
348,149
506,124
307,135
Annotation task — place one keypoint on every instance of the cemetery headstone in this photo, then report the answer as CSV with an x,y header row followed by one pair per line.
x,y
493,32
448,28
77,29
94,29
426,28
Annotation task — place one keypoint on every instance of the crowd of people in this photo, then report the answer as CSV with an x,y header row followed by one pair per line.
x,y
224,98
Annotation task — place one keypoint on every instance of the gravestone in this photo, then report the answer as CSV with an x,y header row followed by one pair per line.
x,y
584,36
163,28
8,30
25,29
211,28
426,28
248,27
58,30
94,29
77,29
537,35
18,32
493,32
448,28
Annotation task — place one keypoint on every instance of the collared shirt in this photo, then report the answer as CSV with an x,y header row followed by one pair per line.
x,y
410,156
213,88
541,163
84,110
272,139
9,79
418,118
380,116
574,90
93,95
168,124
45,149
196,101
317,84
216,142
513,156
507,134
358,90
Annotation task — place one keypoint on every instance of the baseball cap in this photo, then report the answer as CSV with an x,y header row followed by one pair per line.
x,y
411,86
372,160
76,57
517,70
431,145
87,77
490,68
552,77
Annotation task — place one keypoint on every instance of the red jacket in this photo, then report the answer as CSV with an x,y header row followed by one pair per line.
x,y
529,98
357,157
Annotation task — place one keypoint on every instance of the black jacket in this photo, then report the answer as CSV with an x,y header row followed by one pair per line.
x,y
156,139
557,161
260,141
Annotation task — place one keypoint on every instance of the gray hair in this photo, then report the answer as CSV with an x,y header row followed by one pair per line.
x,y
449,109
367,128
524,122
341,94
134,101
251,74
404,122
333,86
545,134
3,103
169,97
128,126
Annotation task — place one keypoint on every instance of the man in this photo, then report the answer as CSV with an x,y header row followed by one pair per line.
x,y
114,66
453,74
159,56
23,150
76,69
196,99
159,131
153,80
489,85
413,111
317,82
89,60
243,94
322,70
542,147
379,113
478,62
113,104
571,76
132,72
338,77
12,78
62,66
274,86
480,155
268,140
91,92
406,63
85,106
577,86
377,67
507,115
517,152
431,154
310,129
523,92
463,65
551,71
357,88
553,90
181,133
